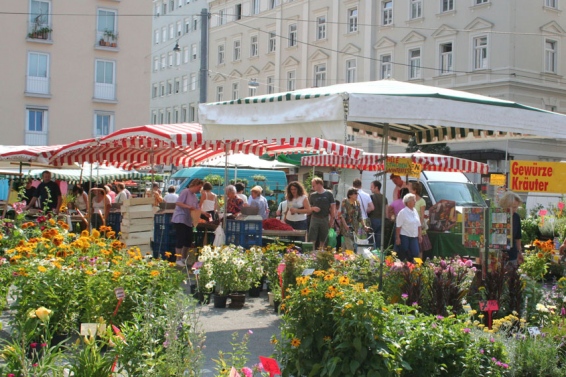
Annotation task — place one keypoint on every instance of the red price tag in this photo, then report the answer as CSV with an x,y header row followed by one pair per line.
x,y
489,305
270,365
281,268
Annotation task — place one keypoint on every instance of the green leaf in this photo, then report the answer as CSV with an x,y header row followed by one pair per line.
x,y
354,365
357,343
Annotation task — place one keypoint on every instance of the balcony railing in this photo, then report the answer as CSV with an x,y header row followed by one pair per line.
x,y
37,85
105,91
36,138
39,31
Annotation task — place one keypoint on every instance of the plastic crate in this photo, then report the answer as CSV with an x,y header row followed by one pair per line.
x,y
244,233
114,221
162,218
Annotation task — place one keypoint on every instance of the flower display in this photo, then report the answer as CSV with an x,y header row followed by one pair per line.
x,y
230,268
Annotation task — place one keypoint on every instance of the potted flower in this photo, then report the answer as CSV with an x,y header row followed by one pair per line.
x,y
227,267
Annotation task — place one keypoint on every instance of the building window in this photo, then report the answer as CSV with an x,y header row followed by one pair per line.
x,y
238,12
416,9
162,89
185,84
385,67
154,90
38,73
177,58
179,28
446,5
185,55
40,13
220,54
352,20
183,113
105,81
273,3
221,16
161,117
477,2
154,117
219,93
195,23
235,90
237,50
170,59
194,51
103,124
272,41
321,27
171,31
270,84
253,46
156,36
163,61
415,63
169,87
164,8
106,25
292,35
387,13
177,87
155,64
550,54
550,108
192,113
351,68
446,58
164,34
291,81
187,26
193,81
551,3
319,75
480,52
252,91
255,6
36,126
157,10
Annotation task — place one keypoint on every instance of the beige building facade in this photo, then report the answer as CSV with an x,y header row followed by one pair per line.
x,y
73,69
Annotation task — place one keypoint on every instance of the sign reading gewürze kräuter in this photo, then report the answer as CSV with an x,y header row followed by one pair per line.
x,y
537,176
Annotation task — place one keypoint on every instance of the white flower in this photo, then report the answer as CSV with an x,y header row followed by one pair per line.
x,y
541,308
210,284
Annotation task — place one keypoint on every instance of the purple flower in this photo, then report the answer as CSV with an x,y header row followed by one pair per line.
x,y
439,317
492,340
469,263
404,296
434,325
493,359
443,264
415,304
250,332
165,344
505,366
466,330
499,363
481,351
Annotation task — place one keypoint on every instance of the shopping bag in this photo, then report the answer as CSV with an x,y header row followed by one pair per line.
x,y
331,237
219,237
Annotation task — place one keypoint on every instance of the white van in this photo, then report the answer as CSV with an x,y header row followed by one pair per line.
x,y
437,186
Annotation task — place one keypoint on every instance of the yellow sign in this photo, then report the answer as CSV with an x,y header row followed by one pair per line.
x,y
537,176
497,179
403,166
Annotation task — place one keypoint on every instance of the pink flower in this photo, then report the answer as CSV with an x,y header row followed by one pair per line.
x,y
11,375
35,365
247,371
466,330
404,296
492,340
439,317
43,345
250,332
33,345
481,351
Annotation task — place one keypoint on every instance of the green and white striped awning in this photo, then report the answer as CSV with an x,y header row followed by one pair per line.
x,y
74,175
432,115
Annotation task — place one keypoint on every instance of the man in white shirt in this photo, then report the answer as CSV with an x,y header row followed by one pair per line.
x,y
366,204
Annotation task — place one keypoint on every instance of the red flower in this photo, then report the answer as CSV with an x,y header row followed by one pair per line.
x,y
33,345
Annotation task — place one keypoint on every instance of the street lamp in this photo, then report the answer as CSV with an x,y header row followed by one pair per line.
x,y
177,48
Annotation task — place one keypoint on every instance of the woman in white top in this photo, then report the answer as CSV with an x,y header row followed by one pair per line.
x,y
298,206
408,231
100,208
81,198
208,201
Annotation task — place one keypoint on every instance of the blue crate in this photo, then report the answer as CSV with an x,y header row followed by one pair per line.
x,y
159,249
162,218
114,221
244,233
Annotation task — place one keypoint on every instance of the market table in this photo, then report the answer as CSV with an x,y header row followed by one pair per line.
x,y
449,244
285,233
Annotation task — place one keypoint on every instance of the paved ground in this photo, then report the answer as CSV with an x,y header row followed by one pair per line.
x,y
220,324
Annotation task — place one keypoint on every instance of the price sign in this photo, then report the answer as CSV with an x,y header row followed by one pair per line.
x,y
270,365
489,306
197,265
308,271
119,292
281,268
234,373
533,331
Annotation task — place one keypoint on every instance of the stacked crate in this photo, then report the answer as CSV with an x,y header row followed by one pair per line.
x,y
137,223
163,235
244,233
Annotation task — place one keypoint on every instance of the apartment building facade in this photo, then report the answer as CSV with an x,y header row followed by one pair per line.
x,y
512,50
73,69
175,65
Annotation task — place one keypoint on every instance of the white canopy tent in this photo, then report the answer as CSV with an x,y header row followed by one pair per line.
x,y
246,160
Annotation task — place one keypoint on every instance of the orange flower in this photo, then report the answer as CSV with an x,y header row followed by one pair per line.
x,y
295,342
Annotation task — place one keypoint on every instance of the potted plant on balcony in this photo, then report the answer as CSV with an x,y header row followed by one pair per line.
x,y
110,38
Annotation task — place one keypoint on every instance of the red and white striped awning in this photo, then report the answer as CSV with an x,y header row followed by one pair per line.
x,y
39,153
180,145
374,162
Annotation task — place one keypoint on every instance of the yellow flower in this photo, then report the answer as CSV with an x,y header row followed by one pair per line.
x,y
95,233
43,313
348,306
154,273
295,342
326,339
329,277
344,280
167,254
330,294
41,269
360,302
